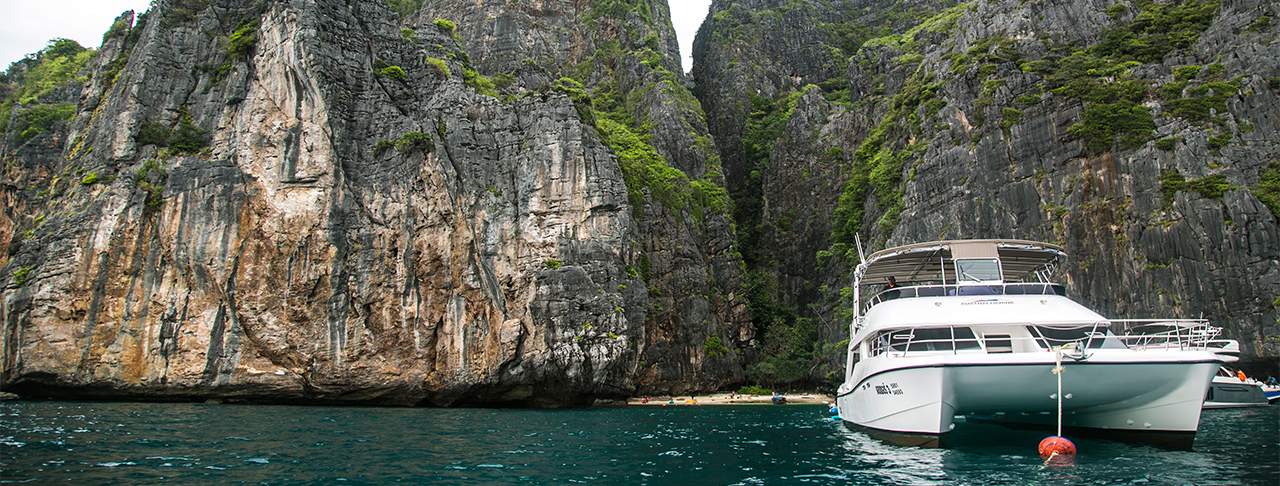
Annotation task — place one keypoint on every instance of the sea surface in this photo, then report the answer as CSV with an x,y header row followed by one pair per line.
x,y
189,443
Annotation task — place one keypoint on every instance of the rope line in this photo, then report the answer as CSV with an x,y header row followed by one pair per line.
x,y
1057,370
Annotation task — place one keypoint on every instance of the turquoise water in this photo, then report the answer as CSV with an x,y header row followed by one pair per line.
x,y
131,443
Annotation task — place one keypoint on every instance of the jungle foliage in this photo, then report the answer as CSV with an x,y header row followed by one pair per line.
x,y
27,103
405,8
184,137
38,119
1100,75
242,41
1212,187
1268,190
150,178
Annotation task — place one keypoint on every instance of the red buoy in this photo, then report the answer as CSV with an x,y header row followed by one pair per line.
x,y
1056,446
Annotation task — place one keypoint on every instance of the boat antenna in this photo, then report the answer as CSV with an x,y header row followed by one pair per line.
x,y
942,266
857,241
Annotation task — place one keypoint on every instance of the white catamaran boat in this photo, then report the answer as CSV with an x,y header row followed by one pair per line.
x,y
974,328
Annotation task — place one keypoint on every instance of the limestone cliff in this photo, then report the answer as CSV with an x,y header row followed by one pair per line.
x,y
524,203
620,61
1140,135
322,202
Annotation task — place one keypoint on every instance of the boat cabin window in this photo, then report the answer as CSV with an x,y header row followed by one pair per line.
x,y
937,339
978,270
964,338
998,343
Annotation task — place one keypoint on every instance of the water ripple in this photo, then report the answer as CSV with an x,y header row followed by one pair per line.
x,y
748,445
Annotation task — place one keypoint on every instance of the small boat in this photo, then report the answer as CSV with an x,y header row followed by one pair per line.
x,y
1271,390
1229,391
779,400
975,328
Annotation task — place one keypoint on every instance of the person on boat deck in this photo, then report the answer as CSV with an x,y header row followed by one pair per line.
x,y
890,288
1241,376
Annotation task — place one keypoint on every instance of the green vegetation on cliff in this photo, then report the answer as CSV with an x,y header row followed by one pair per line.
x,y
242,41
713,347
416,141
20,276
785,340
788,352
765,124
405,8
38,119
150,178
855,31
1268,190
182,138
54,67
614,115
879,161
1100,75
618,9
1157,30
182,11
1211,187
447,26
118,28
438,65
394,72
873,173
913,85
643,167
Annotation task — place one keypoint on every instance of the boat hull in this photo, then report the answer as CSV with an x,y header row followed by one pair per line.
x,y
1227,392
1108,391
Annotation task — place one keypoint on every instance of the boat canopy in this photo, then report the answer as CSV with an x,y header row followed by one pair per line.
x,y
1020,260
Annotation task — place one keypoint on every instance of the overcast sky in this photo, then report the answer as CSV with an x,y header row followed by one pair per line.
x,y
28,25
687,16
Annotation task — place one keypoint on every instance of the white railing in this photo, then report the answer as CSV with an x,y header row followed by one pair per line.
x,y
1135,334
1169,334
966,290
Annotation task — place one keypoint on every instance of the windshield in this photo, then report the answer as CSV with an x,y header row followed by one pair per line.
x,y
978,270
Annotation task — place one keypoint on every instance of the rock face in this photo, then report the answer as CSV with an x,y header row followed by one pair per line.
x,y
963,122
524,204
310,202
624,58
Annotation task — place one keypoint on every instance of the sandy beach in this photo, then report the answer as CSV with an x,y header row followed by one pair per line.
x,y
730,399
